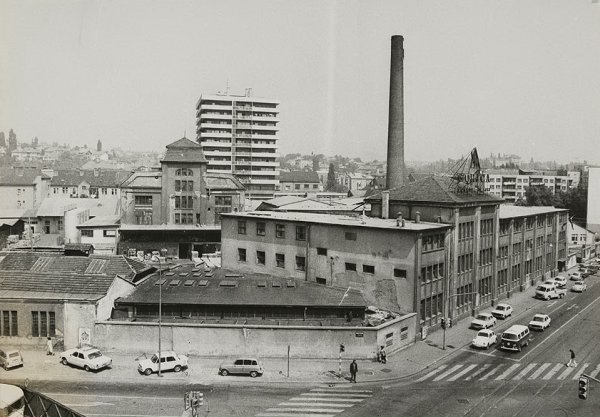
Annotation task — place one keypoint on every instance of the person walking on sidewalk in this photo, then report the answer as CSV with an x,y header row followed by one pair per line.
x,y
382,355
353,371
572,362
49,347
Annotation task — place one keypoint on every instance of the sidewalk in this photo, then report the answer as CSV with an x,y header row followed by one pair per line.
x,y
403,364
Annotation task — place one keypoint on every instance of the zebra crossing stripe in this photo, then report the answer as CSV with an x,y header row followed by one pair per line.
x,y
448,372
525,371
308,410
566,373
350,400
461,373
540,370
490,373
300,404
553,371
477,372
432,373
332,394
343,391
274,414
595,372
508,371
580,371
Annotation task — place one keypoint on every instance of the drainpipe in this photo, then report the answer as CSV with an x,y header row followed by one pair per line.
x,y
307,252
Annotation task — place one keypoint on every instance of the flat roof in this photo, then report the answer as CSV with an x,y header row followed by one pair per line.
x,y
508,211
339,220
162,227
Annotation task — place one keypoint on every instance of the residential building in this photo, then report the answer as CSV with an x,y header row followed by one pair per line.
x,y
239,135
510,185
593,201
22,188
102,232
26,154
299,183
50,295
97,183
355,181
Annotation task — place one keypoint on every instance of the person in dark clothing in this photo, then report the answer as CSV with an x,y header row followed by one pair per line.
x,y
353,371
572,362
383,355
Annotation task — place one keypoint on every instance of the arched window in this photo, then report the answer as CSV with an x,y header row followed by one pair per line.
x,y
184,172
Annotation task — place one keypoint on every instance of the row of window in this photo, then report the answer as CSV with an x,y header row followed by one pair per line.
x,y
261,259
184,202
485,256
43,324
184,185
93,190
105,233
185,218
465,263
432,272
184,172
9,323
433,242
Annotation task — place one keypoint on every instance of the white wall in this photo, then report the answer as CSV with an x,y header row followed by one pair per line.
x,y
593,208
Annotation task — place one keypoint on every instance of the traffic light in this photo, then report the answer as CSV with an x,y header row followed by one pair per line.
x,y
342,348
443,323
449,321
583,387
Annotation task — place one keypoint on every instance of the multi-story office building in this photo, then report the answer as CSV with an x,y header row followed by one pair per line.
x,y
239,136
511,185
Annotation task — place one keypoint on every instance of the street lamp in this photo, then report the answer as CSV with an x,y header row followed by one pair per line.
x,y
157,259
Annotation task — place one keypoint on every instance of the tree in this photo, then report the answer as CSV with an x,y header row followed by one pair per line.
x,y
539,195
99,146
315,163
331,182
574,199
2,140
35,142
12,141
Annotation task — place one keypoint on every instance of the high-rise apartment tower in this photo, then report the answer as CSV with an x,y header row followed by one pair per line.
x,y
239,135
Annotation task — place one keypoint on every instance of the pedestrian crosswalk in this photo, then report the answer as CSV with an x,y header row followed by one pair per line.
x,y
504,372
321,402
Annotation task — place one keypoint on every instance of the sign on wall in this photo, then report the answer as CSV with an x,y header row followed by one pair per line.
x,y
85,336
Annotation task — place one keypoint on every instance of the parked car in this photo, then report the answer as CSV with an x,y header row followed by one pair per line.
x,y
585,272
579,286
243,366
549,291
561,281
575,276
502,311
483,321
10,358
484,339
88,358
515,338
540,322
169,361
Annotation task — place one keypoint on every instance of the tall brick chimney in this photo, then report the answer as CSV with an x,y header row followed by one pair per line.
x,y
395,146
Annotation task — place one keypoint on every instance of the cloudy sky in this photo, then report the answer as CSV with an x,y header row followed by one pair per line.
x,y
507,76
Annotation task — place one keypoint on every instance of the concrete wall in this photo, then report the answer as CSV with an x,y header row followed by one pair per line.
x,y
77,316
261,341
17,197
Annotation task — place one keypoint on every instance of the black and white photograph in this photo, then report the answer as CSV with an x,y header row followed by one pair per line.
x,y
299,208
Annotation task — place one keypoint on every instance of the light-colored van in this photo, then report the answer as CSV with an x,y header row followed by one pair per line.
x,y
515,337
549,291
10,358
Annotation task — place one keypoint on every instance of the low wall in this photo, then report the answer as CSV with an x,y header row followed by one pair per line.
x,y
255,340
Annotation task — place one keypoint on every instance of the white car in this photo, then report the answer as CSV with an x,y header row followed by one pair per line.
x,y
579,286
169,361
561,282
575,276
88,358
502,311
540,322
485,339
483,321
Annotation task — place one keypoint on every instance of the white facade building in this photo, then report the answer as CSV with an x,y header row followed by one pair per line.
x,y
511,186
239,135
593,203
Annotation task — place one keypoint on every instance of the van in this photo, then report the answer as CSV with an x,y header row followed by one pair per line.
x,y
515,337
10,358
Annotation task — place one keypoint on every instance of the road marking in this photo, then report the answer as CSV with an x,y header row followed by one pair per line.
x,y
351,400
477,372
308,410
566,372
299,404
525,371
507,372
323,394
595,372
551,303
492,372
553,371
448,372
432,373
580,371
461,373
91,404
539,371
294,415
349,391
128,415
62,394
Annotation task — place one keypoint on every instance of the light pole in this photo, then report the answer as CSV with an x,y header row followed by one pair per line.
x,y
157,259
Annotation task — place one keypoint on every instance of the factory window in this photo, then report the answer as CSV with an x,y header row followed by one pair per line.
x,y
504,228
350,235
280,231
241,227
142,200
465,230
399,273
300,263
260,228
9,323
43,324
350,266
368,269
87,233
241,255
322,251
300,232
110,233
280,260
260,257
487,227
184,202
184,172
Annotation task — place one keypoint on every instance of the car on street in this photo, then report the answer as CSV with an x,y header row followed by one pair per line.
x,y
502,311
169,361
585,272
88,358
484,339
242,366
561,281
540,322
515,338
483,321
548,291
579,286
10,358
575,276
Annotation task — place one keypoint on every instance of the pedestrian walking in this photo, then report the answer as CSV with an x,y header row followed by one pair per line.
x,y
572,362
382,355
49,347
353,371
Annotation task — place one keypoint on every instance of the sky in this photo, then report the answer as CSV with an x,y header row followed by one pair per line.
x,y
505,76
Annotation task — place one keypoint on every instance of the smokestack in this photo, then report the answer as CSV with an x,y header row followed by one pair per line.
x,y
395,148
